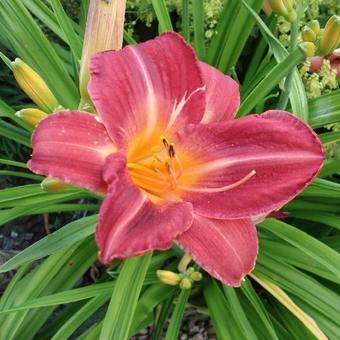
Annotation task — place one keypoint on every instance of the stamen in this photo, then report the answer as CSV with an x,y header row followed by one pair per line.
x,y
225,188
147,178
139,167
172,176
165,142
171,151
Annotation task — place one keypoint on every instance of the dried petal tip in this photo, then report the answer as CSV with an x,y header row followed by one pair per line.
x,y
308,48
330,39
168,277
53,185
34,86
31,116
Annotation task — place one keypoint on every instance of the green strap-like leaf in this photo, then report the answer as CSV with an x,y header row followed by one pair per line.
x,y
119,315
162,15
68,235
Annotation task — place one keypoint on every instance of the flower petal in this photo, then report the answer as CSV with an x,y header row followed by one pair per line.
x,y
129,224
147,87
71,146
222,95
284,152
226,249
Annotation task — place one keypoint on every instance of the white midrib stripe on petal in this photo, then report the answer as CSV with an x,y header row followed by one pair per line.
x,y
152,107
227,162
178,107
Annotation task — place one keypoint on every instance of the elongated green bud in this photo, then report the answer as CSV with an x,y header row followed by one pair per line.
x,y
168,277
31,116
34,86
308,35
330,39
53,185
308,48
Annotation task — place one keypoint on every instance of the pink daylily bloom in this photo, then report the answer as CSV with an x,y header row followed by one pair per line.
x,y
172,163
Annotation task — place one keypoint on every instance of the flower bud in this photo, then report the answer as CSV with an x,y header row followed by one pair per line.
x,y
195,276
104,31
168,277
308,35
34,86
330,39
284,8
315,26
308,48
185,283
53,185
31,116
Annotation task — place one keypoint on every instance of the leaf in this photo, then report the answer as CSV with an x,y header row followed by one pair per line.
x,y
270,81
119,315
306,243
162,15
172,332
198,16
297,95
66,236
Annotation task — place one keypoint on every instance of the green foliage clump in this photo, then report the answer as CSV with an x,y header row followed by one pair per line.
x,y
142,10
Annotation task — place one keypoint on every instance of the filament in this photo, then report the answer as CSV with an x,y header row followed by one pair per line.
x,y
221,189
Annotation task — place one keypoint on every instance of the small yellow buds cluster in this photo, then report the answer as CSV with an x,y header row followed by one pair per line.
x,y
284,8
34,86
309,36
321,41
184,280
330,39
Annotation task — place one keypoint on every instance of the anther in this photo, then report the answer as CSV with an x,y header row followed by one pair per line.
x,y
171,151
165,142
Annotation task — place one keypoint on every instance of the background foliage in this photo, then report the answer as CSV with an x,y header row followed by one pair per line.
x,y
48,297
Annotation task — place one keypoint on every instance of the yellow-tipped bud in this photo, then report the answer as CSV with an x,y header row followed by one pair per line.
x,y
308,35
315,26
330,39
185,283
195,276
34,86
53,185
168,277
284,8
31,116
308,48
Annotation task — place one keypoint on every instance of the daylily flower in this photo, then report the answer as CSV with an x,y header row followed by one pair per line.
x,y
171,163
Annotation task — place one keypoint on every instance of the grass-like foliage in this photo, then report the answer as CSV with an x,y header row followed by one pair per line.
x,y
293,291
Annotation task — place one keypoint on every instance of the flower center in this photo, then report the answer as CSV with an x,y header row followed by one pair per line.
x,y
161,173
158,172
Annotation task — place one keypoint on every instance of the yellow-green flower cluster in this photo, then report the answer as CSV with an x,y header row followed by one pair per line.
x,y
319,83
